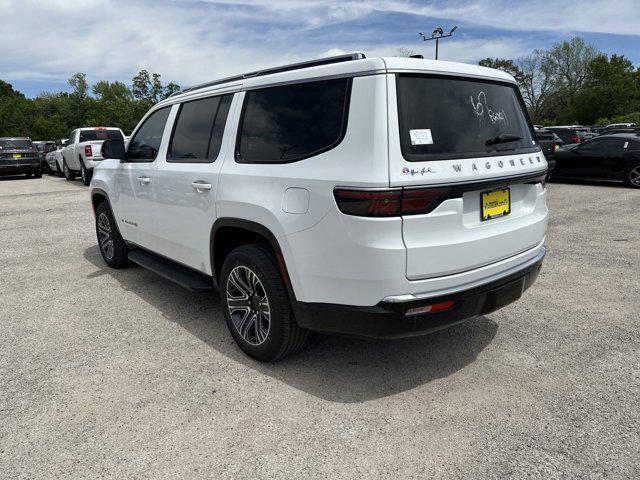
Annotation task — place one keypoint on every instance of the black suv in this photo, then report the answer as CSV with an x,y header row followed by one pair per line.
x,y
19,156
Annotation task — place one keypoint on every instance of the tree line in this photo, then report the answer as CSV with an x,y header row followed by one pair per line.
x,y
54,115
574,83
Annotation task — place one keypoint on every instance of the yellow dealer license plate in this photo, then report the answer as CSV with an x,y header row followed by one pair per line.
x,y
16,155
496,203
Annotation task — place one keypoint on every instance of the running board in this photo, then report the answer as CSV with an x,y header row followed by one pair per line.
x,y
183,276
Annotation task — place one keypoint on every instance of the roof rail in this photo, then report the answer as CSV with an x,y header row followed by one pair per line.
x,y
270,71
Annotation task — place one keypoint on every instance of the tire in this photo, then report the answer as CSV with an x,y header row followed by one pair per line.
x,y
112,247
68,174
37,175
59,170
632,178
85,174
260,319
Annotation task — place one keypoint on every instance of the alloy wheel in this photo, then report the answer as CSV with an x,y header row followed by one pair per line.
x,y
634,176
83,173
104,236
248,305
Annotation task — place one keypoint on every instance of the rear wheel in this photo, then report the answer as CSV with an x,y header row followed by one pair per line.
x,y
256,305
112,246
85,173
68,174
633,176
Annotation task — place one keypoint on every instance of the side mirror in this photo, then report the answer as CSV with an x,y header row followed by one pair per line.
x,y
113,148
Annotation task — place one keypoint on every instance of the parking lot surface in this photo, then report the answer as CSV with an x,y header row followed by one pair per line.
x,y
119,373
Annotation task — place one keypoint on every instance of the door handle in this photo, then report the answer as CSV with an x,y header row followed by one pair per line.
x,y
144,180
200,187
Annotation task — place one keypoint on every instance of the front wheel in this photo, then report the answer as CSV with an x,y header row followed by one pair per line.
x,y
633,176
112,246
256,305
85,173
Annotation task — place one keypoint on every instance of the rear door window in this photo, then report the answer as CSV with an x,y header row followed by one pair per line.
x,y
292,122
198,130
451,117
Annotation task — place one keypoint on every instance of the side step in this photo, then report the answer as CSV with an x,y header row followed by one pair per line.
x,y
183,276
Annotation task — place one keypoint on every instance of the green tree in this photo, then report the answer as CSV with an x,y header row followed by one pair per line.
x,y
612,89
503,64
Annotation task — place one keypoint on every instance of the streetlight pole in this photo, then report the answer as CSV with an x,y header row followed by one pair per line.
x,y
437,34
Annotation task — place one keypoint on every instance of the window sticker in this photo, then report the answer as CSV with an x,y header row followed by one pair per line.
x,y
421,136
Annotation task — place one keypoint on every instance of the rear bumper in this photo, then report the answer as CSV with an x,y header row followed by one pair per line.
x,y
389,320
16,167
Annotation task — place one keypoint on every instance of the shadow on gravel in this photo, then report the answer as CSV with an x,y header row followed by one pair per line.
x,y
336,369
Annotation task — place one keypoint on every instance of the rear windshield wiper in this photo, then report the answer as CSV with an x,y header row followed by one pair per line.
x,y
502,139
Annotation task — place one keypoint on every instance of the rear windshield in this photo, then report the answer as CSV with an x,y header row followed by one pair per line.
x,y
15,144
90,135
447,117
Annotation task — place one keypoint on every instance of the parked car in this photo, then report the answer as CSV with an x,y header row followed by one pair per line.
x,y
547,143
82,152
43,148
54,159
568,135
621,125
349,195
607,157
19,156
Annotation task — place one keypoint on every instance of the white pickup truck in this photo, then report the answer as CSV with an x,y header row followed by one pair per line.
x,y
82,152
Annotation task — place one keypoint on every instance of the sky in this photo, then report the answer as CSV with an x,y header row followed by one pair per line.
x,y
43,42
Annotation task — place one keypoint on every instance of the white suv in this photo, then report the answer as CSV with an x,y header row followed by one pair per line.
x,y
375,197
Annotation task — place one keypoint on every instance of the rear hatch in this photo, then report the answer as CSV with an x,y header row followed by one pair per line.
x,y
468,146
15,150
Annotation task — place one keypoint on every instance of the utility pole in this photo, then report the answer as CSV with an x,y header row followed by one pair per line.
x,y
437,34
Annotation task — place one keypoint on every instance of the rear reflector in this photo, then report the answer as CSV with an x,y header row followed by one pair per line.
x,y
390,203
87,151
436,307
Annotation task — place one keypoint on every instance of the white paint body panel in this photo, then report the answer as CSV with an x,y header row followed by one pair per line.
x,y
332,257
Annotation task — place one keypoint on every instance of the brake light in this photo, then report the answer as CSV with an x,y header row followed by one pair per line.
x,y
422,200
390,203
87,151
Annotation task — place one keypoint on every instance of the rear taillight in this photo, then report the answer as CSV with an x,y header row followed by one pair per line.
x,y
371,203
390,203
87,151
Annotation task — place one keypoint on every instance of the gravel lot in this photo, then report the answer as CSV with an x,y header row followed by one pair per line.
x,y
108,373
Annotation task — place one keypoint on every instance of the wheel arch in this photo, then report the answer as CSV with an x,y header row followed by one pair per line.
x,y
228,233
99,196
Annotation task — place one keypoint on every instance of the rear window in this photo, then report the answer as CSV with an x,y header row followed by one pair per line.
x,y
448,117
91,135
292,122
16,144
